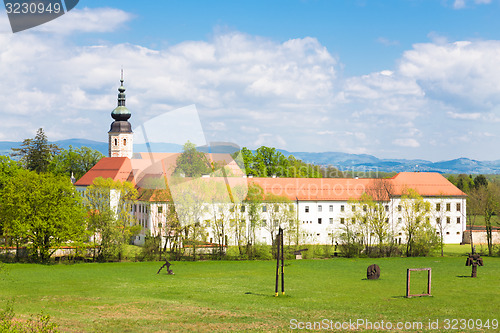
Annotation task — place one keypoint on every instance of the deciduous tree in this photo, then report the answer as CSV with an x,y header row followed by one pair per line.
x,y
75,161
42,210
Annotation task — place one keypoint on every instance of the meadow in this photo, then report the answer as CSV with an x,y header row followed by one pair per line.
x,y
233,296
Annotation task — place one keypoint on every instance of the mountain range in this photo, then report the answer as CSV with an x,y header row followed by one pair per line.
x,y
342,161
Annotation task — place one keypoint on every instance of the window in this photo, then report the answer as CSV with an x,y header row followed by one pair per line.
x,y
320,208
438,220
459,207
458,220
160,209
448,207
307,209
364,208
116,142
342,220
386,208
264,223
242,208
341,208
447,232
124,142
331,208
400,208
438,207
448,220
400,220
331,220
264,208
353,220
458,232
319,220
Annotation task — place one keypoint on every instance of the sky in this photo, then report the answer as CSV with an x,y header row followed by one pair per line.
x,y
413,79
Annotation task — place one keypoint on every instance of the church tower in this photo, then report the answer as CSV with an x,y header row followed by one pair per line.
x,y
120,135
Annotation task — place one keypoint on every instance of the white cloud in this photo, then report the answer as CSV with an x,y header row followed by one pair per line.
x,y
87,20
255,91
387,42
464,116
412,143
464,74
460,4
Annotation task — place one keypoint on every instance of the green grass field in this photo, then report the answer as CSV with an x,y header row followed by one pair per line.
x,y
239,295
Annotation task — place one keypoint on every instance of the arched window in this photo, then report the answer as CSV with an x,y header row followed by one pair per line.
x,y
116,142
124,142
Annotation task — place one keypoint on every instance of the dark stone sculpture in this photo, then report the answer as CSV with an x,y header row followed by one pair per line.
x,y
373,272
474,260
169,271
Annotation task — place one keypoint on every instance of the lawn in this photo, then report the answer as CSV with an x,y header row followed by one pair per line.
x,y
239,295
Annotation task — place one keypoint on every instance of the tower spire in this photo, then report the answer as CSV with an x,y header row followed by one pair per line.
x,y
120,133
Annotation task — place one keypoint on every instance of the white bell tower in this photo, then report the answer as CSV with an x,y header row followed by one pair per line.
x,y
120,136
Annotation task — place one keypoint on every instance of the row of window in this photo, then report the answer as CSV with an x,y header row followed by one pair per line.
x,y
400,220
386,207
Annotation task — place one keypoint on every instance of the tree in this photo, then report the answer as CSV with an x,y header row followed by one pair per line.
x,y
267,162
192,163
8,169
485,200
109,205
190,196
75,161
253,202
41,210
281,214
420,235
36,154
441,225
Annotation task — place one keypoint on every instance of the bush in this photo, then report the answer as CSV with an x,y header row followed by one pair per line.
x,y
36,324
263,252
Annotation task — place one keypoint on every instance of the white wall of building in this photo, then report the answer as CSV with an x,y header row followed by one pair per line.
x,y
321,221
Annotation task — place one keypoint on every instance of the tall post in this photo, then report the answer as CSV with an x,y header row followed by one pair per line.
x,y
277,264
282,263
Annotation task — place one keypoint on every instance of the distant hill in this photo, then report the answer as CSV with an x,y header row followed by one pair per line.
x,y
362,162
343,161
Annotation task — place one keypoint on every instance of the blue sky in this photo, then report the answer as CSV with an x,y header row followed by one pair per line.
x,y
391,78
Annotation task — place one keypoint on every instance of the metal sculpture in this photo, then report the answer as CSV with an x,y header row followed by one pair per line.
x,y
167,264
298,253
474,260
373,272
280,266
429,279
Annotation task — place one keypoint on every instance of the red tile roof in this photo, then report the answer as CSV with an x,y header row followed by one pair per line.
x,y
116,168
147,174
425,183
344,189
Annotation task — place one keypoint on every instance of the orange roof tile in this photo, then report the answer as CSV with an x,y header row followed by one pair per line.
x,y
344,189
116,168
425,183
149,174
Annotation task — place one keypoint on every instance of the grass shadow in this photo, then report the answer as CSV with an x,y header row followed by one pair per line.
x,y
266,295
463,276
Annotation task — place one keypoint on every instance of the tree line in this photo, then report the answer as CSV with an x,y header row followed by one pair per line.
x,y
39,207
483,203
